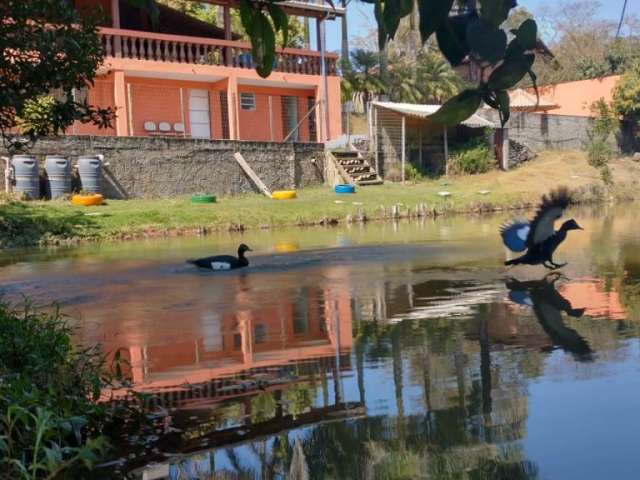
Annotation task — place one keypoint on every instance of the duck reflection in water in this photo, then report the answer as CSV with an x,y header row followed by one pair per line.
x,y
548,304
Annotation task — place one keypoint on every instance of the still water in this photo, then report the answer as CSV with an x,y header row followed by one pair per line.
x,y
391,351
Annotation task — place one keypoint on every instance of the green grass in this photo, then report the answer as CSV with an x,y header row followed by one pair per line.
x,y
48,222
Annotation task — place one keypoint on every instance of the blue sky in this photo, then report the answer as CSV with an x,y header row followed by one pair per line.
x,y
361,18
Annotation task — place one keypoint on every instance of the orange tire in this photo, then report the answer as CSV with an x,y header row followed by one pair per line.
x,y
87,200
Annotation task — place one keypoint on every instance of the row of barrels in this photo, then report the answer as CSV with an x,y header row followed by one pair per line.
x,y
26,174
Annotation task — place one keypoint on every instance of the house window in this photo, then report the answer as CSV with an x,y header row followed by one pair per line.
x,y
248,101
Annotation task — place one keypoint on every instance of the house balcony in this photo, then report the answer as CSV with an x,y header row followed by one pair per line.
x,y
140,45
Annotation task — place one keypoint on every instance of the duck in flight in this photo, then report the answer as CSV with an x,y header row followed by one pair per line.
x,y
538,237
548,304
224,262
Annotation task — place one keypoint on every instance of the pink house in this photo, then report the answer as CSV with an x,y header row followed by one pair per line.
x,y
191,79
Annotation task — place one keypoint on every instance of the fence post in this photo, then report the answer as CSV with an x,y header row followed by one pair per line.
x,y
505,149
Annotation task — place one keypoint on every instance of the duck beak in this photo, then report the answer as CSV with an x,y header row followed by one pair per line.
x,y
249,250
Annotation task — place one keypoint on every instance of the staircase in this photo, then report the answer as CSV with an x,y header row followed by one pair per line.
x,y
355,168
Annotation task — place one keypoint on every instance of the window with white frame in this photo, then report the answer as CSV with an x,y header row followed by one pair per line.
x,y
248,101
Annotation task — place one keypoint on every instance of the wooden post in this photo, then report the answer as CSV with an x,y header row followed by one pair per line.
x,y
446,152
322,39
120,100
505,149
271,118
130,128
420,146
375,137
252,175
226,14
184,125
232,107
404,142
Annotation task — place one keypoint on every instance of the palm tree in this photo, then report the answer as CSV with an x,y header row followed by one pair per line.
x,y
361,80
436,79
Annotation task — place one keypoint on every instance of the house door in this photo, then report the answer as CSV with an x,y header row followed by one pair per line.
x,y
290,117
199,117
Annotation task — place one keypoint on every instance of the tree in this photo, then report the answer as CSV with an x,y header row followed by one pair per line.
x,y
626,94
584,45
37,60
463,34
436,79
361,78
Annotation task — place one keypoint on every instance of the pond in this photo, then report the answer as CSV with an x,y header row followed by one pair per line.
x,y
386,350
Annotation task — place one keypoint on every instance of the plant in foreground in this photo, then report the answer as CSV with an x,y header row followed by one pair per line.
x,y
52,424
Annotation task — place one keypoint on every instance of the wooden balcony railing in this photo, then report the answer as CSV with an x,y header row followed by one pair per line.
x,y
205,51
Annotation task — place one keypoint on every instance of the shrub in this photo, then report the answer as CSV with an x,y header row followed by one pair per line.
x,y
51,422
471,157
49,416
599,151
411,173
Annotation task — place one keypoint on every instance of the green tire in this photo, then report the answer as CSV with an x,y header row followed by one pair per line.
x,y
203,199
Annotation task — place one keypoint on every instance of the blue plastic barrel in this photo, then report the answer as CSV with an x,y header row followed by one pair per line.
x,y
58,170
90,170
26,173
345,188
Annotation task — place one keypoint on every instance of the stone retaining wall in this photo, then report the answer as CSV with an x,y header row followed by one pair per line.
x,y
141,167
541,131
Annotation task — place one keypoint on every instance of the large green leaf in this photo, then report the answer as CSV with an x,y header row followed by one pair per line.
x,y
394,11
452,39
503,101
485,40
496,11
280,21
510,72
527,34
382,31
264,44
458,108
433,14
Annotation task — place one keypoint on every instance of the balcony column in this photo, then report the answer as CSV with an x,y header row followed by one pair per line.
x,y
227,34
120,100
232,104
115,13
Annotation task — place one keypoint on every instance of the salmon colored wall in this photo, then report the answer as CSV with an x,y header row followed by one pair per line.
x,y
159,101
255,125
314,82
575,98
592,296
101,95
155,102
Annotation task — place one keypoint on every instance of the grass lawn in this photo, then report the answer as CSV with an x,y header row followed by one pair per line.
x,y
27,223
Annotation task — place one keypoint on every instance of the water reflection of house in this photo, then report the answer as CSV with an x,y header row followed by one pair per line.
x,y
595,298
312,326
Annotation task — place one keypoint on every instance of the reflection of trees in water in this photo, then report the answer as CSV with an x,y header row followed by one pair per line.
x,y
616,259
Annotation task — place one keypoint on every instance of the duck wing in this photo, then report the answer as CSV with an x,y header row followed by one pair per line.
x,y
514,235
565,337
551,209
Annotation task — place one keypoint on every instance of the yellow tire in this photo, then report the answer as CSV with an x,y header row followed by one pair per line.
x,y
286,247
284,195
87,200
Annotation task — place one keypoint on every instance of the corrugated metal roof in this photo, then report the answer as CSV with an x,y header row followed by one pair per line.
x,y
525,101
422,111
